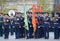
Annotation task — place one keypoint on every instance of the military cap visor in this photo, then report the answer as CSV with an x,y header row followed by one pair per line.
x,y
56,13
45,13
18,13
5,14
36,12
29,12
40,12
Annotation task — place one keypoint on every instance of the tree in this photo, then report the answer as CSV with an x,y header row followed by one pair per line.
x,y
44,4
2,3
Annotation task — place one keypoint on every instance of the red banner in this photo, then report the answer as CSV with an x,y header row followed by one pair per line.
x,y
33,17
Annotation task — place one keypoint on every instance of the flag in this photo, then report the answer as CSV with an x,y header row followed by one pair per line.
x,y
33,17
25,16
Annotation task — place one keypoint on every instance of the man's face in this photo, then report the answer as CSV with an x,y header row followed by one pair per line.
x,y
16,14
56,15
20,14
0,14
27,14
30,14
45,15
6,16
40,15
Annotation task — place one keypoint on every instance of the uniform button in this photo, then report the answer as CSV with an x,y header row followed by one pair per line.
x,y
30,25
19,26
17,18
38,26
7,20
59,27
56,19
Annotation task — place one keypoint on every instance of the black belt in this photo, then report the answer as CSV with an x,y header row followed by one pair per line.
x,y
55,23
1,21
17,23
6,23
46,22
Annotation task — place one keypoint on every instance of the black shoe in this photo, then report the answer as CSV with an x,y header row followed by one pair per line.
x,y
28,38
5,38
46,38
36,38
31,37
17,38
56,38
20,37
23,36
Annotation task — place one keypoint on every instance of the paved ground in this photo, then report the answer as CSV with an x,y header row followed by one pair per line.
x,y
12,38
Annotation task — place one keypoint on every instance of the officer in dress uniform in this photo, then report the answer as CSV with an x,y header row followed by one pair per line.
x,y
51,24
30,25
27,31
59,26
46,25
36,32
56,25
39,28
1,24
16,24
6,26
12,24
21,27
